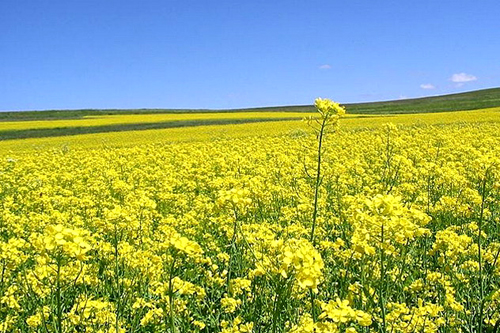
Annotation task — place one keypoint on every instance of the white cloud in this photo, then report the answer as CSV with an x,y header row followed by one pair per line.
x,y
427,86
325,67
462,77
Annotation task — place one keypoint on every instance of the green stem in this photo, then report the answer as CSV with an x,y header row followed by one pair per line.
x,y
277,307
312,296
117,281
382,283
171,296
232,251
58,298
318,179
480,259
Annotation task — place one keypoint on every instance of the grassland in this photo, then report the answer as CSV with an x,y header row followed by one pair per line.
x,y
479,99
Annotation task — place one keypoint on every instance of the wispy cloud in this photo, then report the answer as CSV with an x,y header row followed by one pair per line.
x,y
462,78
325,66
427,86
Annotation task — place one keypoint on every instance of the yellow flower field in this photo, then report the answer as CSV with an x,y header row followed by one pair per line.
x,y
215,228
92,121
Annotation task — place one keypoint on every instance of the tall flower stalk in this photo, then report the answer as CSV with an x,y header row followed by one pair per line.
x,y
330,113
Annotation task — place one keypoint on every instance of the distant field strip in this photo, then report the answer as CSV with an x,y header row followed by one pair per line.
x,y
71,131
92,121
434,118
214,131
120,123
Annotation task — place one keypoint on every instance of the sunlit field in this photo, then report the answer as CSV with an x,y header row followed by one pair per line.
x,y
90,121
215,132
216,228
11,130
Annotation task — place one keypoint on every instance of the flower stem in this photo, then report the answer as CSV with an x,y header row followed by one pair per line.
x,y
318,179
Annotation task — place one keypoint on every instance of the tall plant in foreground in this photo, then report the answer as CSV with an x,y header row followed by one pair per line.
x,y
330,113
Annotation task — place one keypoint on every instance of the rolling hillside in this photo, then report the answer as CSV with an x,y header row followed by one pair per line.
x,y
463,101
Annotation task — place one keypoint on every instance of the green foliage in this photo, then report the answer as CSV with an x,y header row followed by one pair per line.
x,y
463,101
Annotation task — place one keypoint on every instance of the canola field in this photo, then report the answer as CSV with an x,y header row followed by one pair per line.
x,y
106,120
392,225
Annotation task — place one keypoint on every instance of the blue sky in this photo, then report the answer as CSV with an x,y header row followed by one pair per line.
x,y
70,54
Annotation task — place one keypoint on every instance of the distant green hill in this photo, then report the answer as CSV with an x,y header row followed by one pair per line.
x,y
463,101
472,100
